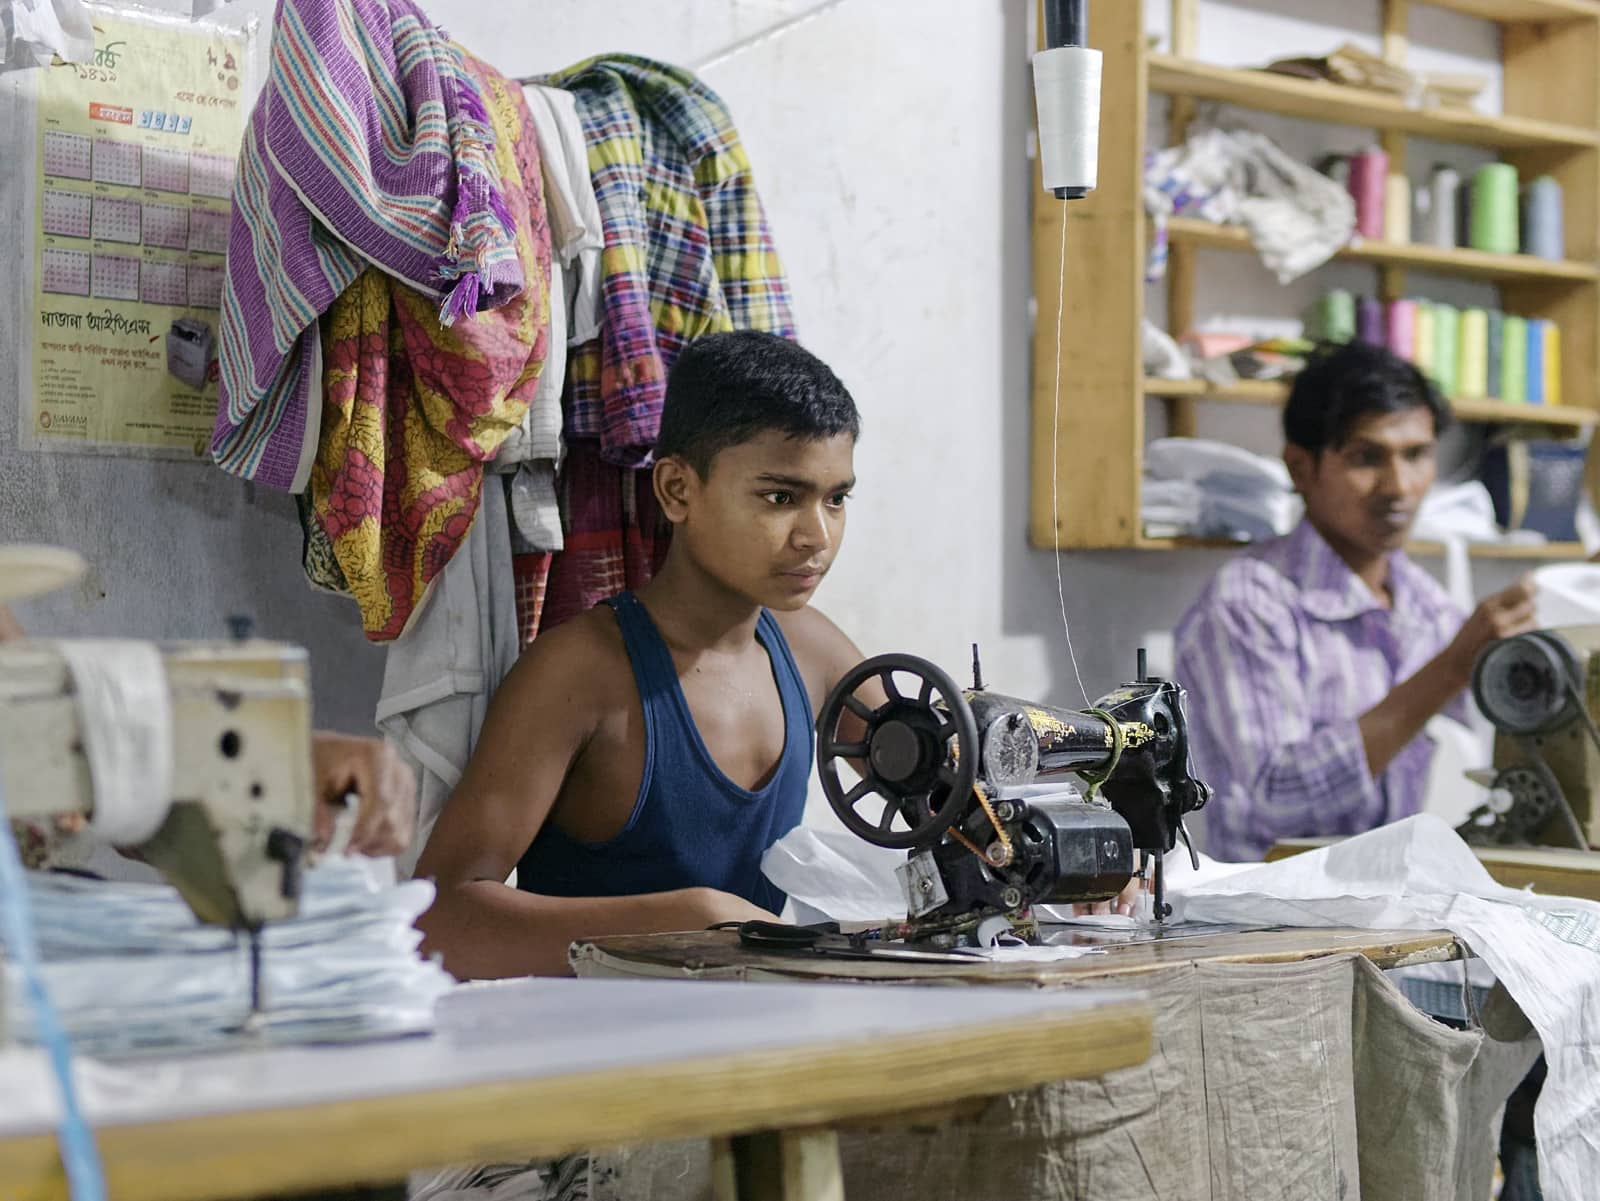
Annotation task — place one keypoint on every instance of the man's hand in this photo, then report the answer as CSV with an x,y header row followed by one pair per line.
x,y
1126,902
10,627
1499,616
385,790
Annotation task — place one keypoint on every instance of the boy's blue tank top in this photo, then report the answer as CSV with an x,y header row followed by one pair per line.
x,y
691,826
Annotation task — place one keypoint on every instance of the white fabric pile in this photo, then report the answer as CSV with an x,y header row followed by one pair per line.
x,y
1198,488
1418,875
1297,217
131,970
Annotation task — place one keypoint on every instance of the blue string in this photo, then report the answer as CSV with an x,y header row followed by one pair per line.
x,y
79,1155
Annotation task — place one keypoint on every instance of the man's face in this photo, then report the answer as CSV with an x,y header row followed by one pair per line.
x,y
1363,496
768,518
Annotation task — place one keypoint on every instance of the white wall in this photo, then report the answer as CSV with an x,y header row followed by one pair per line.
x,y
888,138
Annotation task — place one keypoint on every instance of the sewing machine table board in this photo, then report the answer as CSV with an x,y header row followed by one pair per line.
x,y
537,1067
717,954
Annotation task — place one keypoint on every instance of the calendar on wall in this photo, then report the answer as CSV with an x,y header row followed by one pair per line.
x,y
166,226
67,214
134,181
117,219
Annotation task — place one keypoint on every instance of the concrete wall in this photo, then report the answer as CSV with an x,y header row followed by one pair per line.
x,y
888,137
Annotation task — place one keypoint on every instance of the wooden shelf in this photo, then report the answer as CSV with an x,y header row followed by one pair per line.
x,y
1510,12
1547,551
1272,392
1455,260
1335,104
1089,386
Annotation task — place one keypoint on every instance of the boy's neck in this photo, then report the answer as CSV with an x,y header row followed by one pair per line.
x,y
695,612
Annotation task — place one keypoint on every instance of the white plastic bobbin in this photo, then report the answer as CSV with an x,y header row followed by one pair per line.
x,y
1066,88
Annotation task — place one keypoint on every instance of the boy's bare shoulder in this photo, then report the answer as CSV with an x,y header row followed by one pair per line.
x,y
582,661
821,649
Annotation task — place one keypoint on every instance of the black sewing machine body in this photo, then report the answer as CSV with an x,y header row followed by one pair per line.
x,y
952,771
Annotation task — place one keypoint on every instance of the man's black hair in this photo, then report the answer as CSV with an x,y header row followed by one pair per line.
x,y
727,388
1343,383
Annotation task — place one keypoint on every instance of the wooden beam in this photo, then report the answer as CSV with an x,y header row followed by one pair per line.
x,y
1093,337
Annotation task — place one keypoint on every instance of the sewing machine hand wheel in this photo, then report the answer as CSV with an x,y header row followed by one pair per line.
x,y
917,759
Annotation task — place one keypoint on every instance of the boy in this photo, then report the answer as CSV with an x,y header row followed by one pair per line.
x,y
640,758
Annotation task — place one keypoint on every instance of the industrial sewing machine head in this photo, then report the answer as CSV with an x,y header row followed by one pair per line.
x,y
195,756
945,773
1541,691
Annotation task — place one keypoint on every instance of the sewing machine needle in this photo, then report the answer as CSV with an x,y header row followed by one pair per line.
x,y
255,975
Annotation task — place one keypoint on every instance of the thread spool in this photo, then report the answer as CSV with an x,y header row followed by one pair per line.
x,y
1066,87
1369,320
1400,328
1396,208
1534,388
1494,222
1368,172
1472,363
1552,363
1542,231
1514,362
1423,343
1436,206
1332,318
1496,353
1446,348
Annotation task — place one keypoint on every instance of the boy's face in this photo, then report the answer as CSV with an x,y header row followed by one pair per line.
x,y
768,518
1363,496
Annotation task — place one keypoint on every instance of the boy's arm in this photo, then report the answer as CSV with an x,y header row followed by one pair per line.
x,y
538,723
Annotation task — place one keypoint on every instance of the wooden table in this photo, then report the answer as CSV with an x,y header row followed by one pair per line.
x,y
716,954
1549,871
546,1067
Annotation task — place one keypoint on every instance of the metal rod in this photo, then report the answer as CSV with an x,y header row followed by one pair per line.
x,y
1066,23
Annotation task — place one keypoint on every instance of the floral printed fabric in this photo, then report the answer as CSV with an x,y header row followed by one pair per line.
x,y
413,410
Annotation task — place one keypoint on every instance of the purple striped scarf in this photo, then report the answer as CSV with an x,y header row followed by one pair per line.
x,y
369,145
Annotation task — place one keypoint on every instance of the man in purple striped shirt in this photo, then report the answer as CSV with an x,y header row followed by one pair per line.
x,y
1314,661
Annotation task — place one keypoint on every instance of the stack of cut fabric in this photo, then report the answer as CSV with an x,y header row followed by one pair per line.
x,y
130,969
1197,488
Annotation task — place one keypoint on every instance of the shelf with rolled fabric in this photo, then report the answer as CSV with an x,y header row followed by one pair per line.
x,y
1510,12
1443,260
1274,392
1531,551
1338,104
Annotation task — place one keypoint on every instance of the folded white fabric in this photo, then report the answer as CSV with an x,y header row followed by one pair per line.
x,y
131,970
1213,489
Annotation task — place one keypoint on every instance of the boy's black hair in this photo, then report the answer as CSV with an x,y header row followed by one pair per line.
x,y
726,388
1343,383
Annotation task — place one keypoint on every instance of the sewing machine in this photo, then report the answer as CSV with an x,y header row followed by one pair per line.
x,y
1541,692
223,806
949,775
